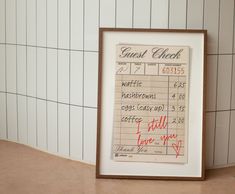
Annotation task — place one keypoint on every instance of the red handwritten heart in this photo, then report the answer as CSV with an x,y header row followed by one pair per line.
x,y
176,146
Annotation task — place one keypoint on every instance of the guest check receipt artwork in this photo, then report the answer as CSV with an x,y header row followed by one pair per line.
x,y
151,103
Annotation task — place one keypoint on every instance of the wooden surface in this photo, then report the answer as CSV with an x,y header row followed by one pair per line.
x,y
24,170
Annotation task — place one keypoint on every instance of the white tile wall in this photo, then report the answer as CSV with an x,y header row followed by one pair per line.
x,y
49,68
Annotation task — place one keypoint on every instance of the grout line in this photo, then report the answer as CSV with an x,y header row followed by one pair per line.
x,y
221,54
186,15
211,111
99,14
133,13
57,76
6,68
83,73
88,51
46,82
17,108
203,15
168,19
26,53
231,88
36,13
216,85
150,13
66,49
115,24
69,77
91,107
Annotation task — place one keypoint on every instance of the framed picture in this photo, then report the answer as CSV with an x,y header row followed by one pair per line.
x,y
151,104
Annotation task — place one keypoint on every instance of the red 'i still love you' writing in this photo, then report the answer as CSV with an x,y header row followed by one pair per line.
x,y
154,125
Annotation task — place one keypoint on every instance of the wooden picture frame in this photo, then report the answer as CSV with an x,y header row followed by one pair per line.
x,y
166,159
